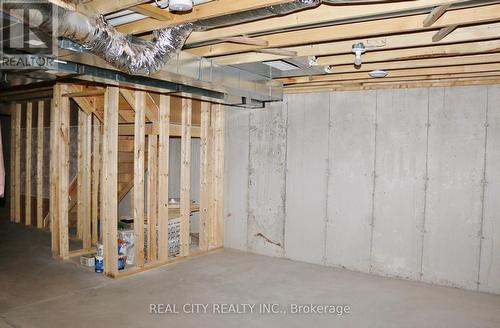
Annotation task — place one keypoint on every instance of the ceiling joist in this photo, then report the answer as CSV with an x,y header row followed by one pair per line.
x,y
324,14
202,11
410,40
475,15
474,68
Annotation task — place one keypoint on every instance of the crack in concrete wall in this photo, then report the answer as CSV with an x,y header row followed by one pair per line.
x,y
402,197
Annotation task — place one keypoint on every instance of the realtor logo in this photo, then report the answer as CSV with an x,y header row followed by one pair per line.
x,y
26,38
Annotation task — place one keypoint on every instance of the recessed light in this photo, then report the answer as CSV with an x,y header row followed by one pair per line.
x,y
378,73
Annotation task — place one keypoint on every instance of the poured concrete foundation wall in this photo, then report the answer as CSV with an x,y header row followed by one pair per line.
x,y
400,183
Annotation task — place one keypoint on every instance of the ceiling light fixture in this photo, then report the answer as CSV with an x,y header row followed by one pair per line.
x,y
358,49
378,73
180,5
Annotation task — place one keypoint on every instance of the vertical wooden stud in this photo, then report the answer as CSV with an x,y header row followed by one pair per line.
x,y
204,177
211,179
39,164
80,206
83,181
139,147
110,181
152,196
64,140
16,164
185,202
12,187
163,158
27,186
55,124
219,175
96,167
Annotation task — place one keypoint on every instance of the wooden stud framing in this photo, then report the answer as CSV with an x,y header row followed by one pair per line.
x,y
163,158
96,176
211,178
54,170
40,164
64,140
204,177
16,159
84,178
139,148
185,202
12,159
152,207
27,186
219,174
80,202
110,181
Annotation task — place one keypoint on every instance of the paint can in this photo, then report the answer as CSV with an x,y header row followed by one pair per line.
x,y
99,249
99,264
121,262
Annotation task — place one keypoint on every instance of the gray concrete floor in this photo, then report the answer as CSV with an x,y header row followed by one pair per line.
x,y
37,291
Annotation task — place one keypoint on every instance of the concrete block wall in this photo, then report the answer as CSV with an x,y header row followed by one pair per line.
x,y
400,183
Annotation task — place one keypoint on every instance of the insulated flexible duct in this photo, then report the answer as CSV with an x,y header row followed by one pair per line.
x,y
127,52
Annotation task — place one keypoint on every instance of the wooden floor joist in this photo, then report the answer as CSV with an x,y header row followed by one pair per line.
x,y
202,11
324,14
373,43
473,68
409,24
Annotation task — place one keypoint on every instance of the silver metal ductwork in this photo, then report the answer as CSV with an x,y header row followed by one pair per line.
x,y
135,55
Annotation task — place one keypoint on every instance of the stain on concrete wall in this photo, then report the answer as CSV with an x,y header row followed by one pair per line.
x,y
266,180
394,182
